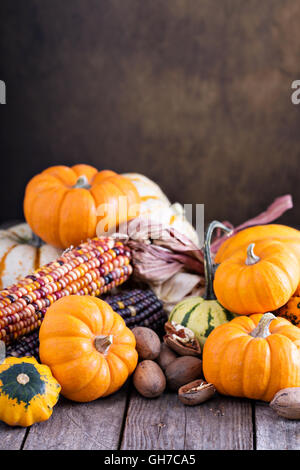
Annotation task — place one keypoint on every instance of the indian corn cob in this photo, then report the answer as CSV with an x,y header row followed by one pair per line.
x,y
138,308
28,345
92,268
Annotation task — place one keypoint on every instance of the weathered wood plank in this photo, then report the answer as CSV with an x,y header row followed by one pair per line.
x,y
11,438
274,432
154,424
85,426
165,423
222,423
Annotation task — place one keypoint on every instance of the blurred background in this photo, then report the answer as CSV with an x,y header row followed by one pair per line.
x,y
193,93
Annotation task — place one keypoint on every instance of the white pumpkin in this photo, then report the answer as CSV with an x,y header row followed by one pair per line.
x,y
155,204
21,252
147,189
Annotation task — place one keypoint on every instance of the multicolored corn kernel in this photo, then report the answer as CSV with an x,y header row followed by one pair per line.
x,y
138,307
92,268
26,346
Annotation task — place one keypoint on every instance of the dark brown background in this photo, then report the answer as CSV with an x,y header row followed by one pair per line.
x,y
193,93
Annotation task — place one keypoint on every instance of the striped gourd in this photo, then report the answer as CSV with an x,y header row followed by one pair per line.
x,y
203,314
138,307
200,315
92,268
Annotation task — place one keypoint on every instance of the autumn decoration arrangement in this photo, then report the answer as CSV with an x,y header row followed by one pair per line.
x,y
194,320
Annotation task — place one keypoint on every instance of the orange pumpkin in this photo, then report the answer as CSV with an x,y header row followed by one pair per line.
x,y
253,357
87,346
257,279
297,292
291,311
242,239
63,205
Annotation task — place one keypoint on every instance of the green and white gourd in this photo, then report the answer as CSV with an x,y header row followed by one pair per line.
x,y
203,314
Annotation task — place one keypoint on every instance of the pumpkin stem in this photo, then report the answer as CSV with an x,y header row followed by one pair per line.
x,y
82,183
209,268
262,329
35,241
252,258
102,343
23,379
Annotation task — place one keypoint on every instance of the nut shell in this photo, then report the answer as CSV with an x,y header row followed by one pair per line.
x,y
183,370
147,342
286,403
188,396
181,339
149,379
182,349
166,356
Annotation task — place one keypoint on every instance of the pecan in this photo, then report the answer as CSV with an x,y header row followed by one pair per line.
x,y
182,340
196,392
286,403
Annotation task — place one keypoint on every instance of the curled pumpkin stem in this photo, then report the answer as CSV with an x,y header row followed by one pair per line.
x,y
208,264
262,329
252,258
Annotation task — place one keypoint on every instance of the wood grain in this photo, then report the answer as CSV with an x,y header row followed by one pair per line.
x,y
11,438
165,423
222,423
274,432
159,424
85,426
154,424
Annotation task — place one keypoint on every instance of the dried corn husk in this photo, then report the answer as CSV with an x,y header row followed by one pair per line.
x,y
179,286
278,207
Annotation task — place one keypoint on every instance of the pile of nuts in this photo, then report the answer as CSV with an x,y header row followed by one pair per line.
x,y
174,364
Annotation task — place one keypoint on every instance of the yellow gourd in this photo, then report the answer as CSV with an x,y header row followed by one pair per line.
x,y
28,391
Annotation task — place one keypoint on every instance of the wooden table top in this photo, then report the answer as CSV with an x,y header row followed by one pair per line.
x,y
126,420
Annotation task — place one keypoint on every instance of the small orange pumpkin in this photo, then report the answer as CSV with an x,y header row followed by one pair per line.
x,y
291,311
297,291
87,346
260,278
253,357
287,235
63,205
